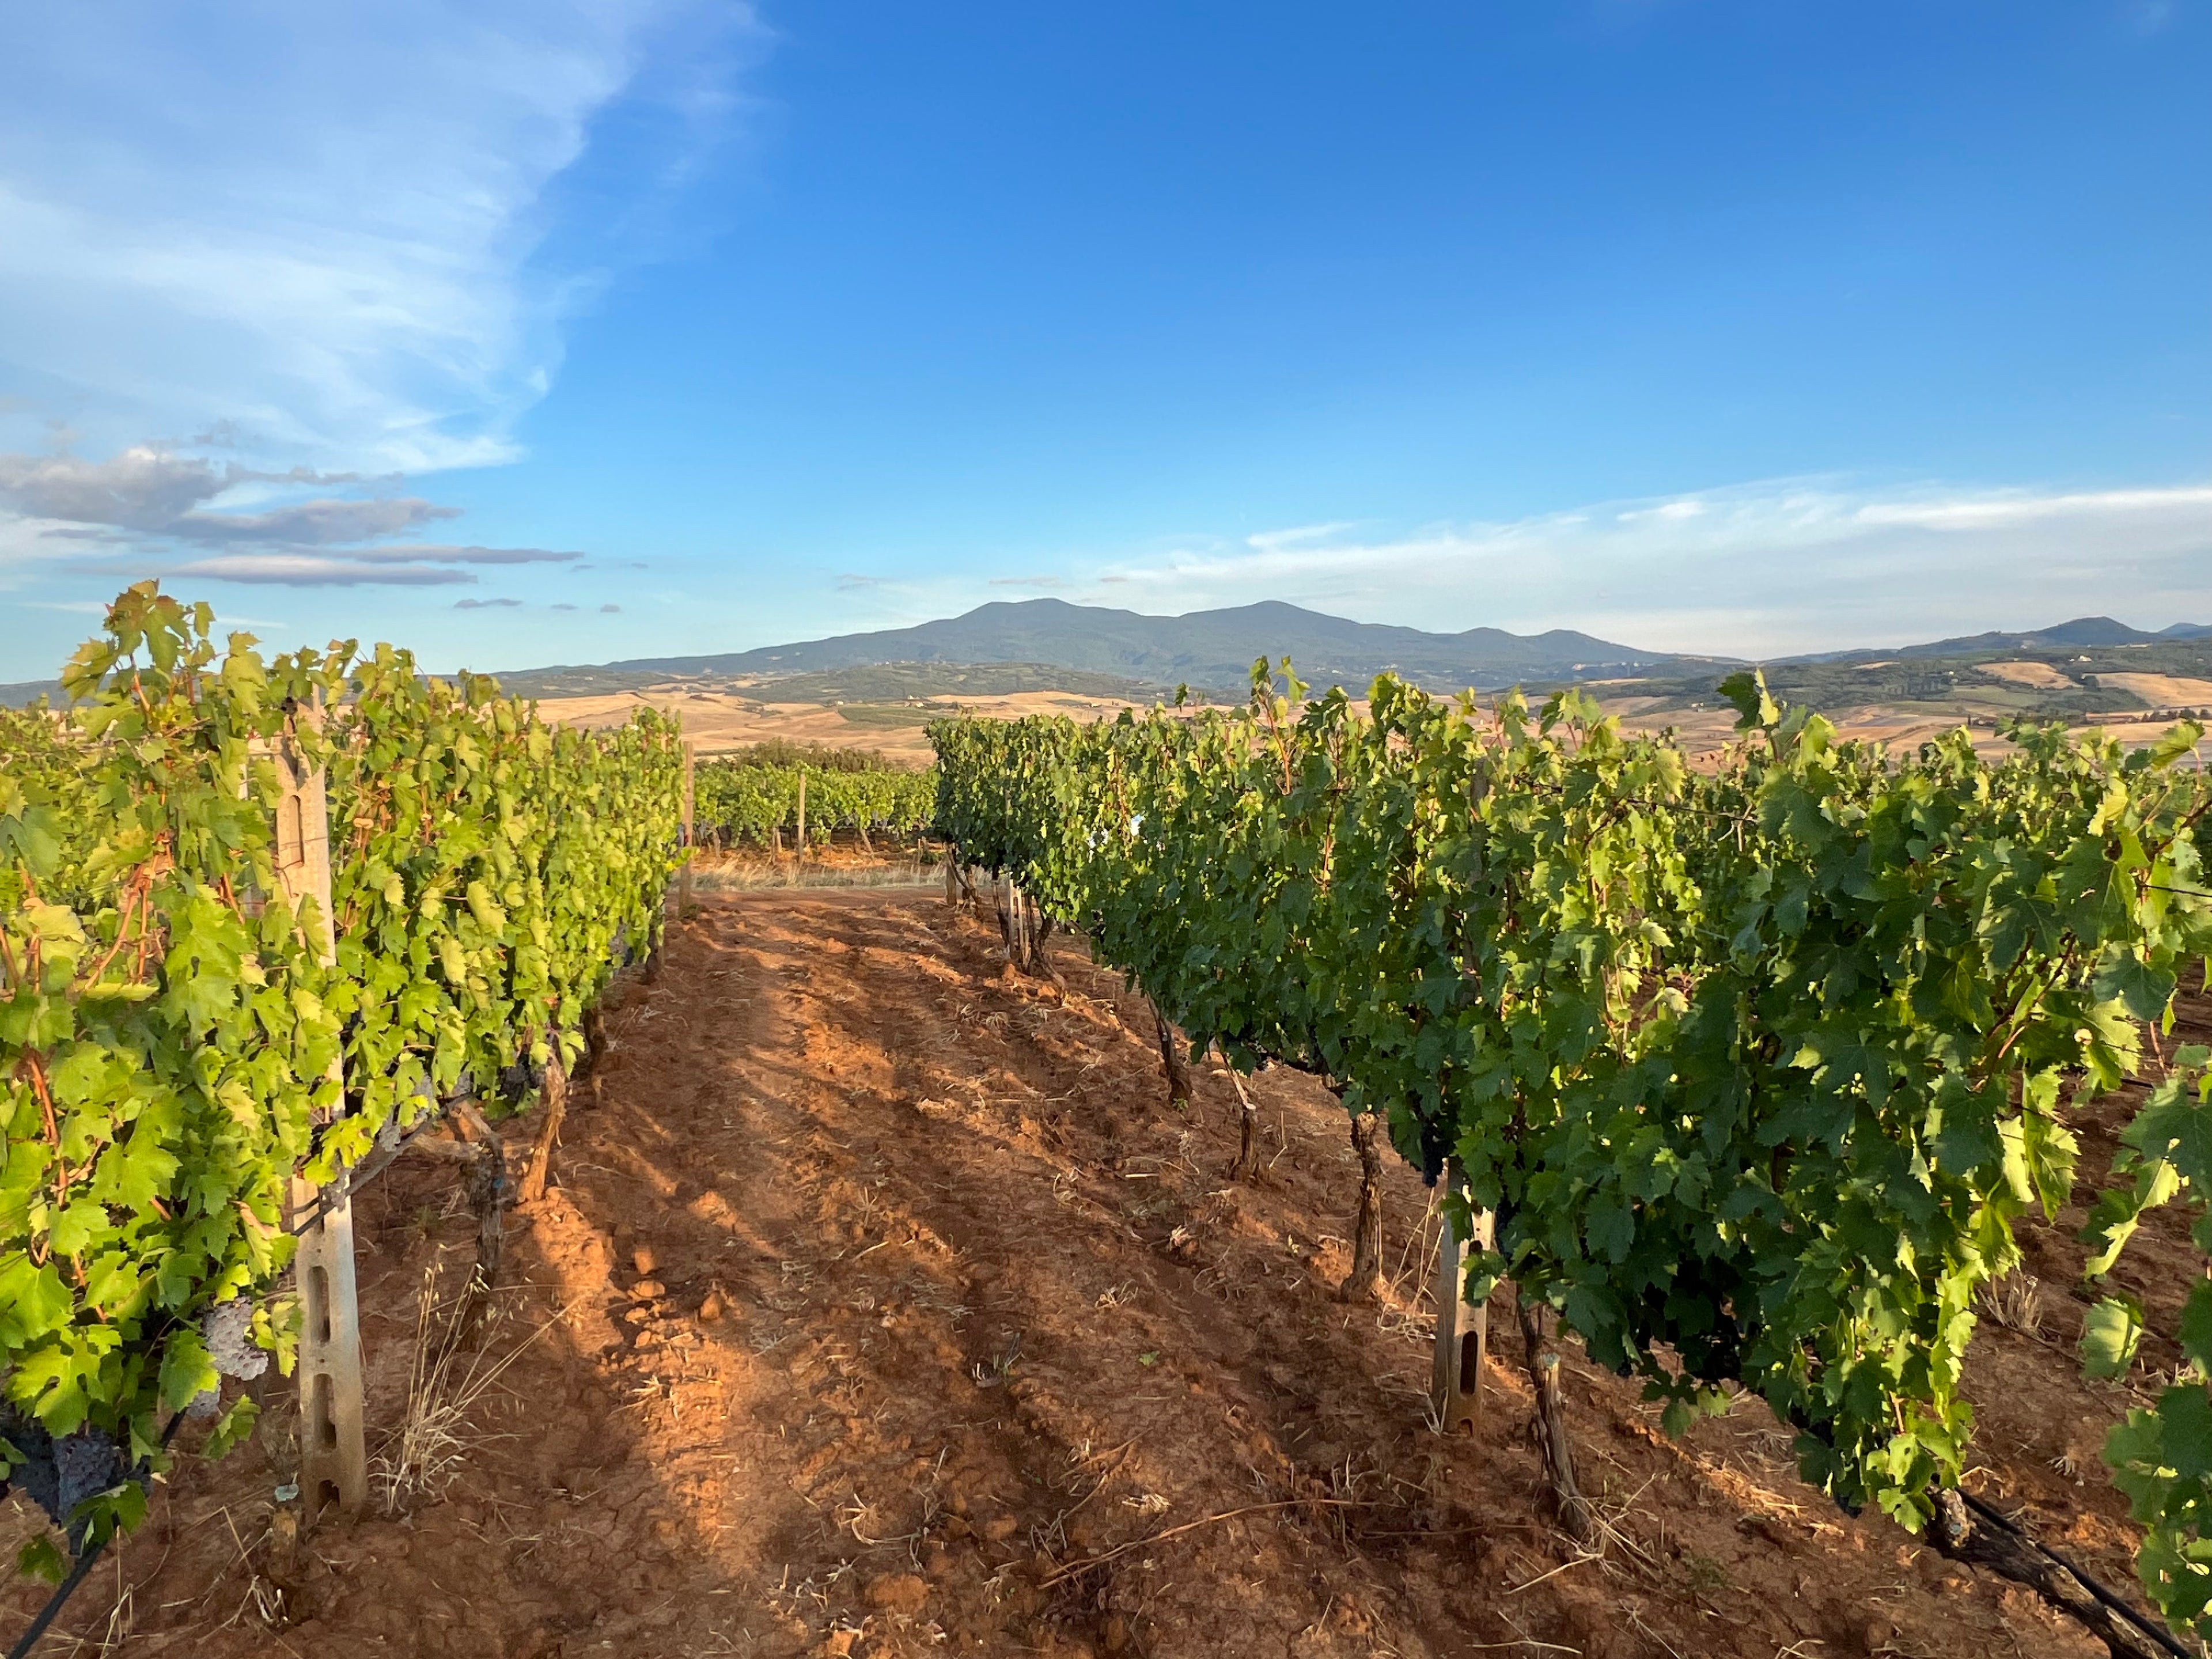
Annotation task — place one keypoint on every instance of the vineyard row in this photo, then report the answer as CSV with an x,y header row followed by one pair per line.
x,y
195,1043
741,804
1744,1072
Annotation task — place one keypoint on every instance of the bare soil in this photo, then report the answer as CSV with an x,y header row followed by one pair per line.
x,y
882,1306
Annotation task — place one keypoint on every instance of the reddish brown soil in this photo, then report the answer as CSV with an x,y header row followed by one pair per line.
x,y
881,1292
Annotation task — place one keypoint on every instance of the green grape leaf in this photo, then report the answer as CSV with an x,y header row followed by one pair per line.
x,y
2110,1333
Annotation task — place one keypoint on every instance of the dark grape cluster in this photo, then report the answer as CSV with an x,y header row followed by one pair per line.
x,y
227,1330
58,1472
31,1450
522,1079
85,1464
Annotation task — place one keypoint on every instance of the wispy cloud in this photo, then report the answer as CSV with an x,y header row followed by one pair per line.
x,y
321,522
447,553
1769,568
487,605
329,233
318,570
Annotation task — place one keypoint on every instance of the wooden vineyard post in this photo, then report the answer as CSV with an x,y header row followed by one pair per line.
x,y
333,1452
1463,1330
690,843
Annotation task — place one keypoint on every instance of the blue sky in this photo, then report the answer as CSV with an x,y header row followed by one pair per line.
x,y
523,333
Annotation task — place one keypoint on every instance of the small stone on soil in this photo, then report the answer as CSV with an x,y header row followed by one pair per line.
x,y
903,1592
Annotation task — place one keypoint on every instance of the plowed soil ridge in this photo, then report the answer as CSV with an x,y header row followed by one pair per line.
x,y
882,1306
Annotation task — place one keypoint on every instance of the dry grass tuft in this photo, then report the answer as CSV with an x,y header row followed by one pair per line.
x,y
450,1375
2014,1302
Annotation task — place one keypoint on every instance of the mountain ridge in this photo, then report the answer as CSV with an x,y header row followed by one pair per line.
x,y
2093,631
1207,649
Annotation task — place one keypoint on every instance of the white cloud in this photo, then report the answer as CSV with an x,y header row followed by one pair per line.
x,y
1307,533
1756,570
142,489
316,228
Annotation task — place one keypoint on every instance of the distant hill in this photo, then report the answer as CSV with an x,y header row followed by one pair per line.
x,y
23,693
2091,668
1209,650
2083,633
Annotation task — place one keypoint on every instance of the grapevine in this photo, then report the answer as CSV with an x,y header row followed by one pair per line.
x,y
1757,1066
168,1030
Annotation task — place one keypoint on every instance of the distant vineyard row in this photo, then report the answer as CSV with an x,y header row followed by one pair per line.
x,y
1755,1066
168,1026
738,803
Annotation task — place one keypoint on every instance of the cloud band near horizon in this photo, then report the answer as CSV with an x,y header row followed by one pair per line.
x,y
1764,568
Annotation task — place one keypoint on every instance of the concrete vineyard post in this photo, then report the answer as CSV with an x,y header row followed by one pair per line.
x,y
802,814
333,1453
1462,1328
690,844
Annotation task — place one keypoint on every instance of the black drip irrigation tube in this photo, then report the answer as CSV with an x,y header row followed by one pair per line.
x,y
82,1571
357,1178
2111,1599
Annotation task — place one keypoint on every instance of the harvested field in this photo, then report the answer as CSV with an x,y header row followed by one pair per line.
x,y
2041,675
883,1306
2162,690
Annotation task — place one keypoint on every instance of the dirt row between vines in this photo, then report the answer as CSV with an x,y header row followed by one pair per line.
x,y
882,1306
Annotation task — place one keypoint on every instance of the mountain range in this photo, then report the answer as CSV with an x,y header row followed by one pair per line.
x,y
1209,650
1124,652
